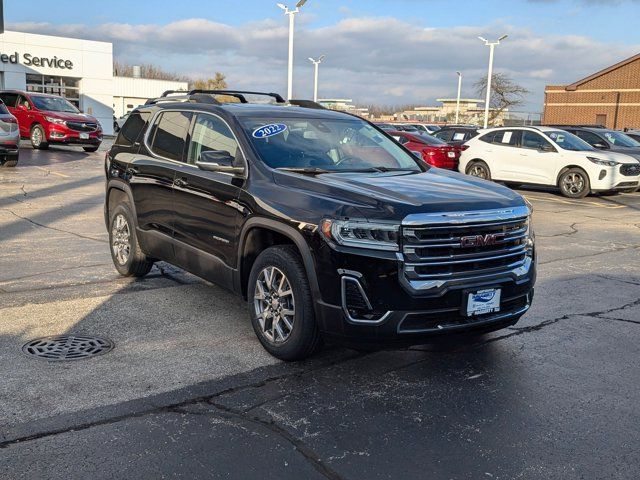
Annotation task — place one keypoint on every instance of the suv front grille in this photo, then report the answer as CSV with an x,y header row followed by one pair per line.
x,y
464,251
82,126
630,169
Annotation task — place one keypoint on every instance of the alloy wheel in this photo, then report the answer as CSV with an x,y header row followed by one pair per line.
x,y
274,305
573,183
478,171
121,239
36,137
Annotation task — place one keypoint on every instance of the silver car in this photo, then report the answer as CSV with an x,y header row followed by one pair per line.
x,y
9,138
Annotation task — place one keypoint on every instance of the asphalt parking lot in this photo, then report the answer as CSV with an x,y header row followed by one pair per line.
x,y
189,392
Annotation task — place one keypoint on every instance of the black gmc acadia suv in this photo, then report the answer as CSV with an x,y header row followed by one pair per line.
x,y
321,220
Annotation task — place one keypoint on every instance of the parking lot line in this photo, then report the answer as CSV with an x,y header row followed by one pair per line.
x,y
52,172
569,202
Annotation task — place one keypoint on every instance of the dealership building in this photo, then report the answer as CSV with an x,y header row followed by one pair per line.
x,y
610,97
80,70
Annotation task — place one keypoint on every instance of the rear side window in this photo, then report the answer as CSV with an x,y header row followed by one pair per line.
x,y
488,137
132,129
445,135
169,133
3,109
9,99
506,137
590,138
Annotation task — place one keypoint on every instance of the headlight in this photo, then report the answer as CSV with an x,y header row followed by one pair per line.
x,y
361,234
530,237
57,121
606,163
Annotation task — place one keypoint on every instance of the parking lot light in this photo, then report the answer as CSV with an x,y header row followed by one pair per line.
x,y
291,14
316,65
491,46
458,98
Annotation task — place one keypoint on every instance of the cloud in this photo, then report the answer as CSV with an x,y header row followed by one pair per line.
x,y
377,60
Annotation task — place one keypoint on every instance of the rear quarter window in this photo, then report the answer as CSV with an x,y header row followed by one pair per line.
x,y
132,129
9,99
3,109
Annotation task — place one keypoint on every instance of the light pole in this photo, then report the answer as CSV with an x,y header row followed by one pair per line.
x,y
458,98
291,14
491,46
316,64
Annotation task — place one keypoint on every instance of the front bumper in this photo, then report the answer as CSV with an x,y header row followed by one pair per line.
x,y
66,136
610,178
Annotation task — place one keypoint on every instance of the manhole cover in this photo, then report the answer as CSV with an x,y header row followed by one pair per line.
x,y
67,347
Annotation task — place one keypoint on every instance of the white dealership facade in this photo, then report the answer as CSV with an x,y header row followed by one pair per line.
x,y
80,70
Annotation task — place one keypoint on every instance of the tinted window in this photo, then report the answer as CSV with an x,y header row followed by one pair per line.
x,y
211,133
590,138
53,104
488,137
507,137
132,128
9,99
445,135
169,133
24,102
3,109
533,140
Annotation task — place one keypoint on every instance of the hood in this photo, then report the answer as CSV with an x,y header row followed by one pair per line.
x,y
394,195
71,117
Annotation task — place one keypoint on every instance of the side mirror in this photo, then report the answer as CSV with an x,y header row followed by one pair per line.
x,y
601,146
546,148
218,161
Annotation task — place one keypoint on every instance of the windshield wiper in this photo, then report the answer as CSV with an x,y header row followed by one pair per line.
x,y
311,170
377,169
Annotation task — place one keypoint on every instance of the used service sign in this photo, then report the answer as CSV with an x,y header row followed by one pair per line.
x,y
29,60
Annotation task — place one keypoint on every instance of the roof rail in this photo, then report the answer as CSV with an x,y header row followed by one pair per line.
x,y
307,104
166,93
239,94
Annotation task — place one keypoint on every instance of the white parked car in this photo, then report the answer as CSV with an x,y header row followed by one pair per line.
x,y
548,156
426,127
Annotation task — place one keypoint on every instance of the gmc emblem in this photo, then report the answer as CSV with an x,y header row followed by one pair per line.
x,y
481,240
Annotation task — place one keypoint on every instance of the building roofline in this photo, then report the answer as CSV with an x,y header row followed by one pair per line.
x,y
575,85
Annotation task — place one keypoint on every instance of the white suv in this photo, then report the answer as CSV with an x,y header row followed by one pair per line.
x,y
548,156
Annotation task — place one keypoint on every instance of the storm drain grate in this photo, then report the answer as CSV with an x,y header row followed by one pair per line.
x,y
67,347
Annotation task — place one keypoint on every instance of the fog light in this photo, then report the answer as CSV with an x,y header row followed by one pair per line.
x,y
56,135
603,173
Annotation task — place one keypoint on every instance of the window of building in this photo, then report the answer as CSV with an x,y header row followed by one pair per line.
x,y
66,87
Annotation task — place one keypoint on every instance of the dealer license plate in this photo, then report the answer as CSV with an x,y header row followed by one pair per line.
x,y
84,136
483,301
451,154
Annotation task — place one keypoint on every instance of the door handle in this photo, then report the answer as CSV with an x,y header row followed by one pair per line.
x,y
132,171
180,182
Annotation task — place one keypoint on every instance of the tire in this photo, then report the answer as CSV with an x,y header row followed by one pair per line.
x,y
293,336
479,169
513,185
9,161
127,257
38,138
91,149
574,183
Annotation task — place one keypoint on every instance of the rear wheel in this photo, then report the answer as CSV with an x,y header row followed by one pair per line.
x,y
127,257
9,161
479,169
281,306
38,138
574,183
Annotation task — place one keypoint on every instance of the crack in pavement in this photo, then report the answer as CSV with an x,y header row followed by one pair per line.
x,y
573,231
79,235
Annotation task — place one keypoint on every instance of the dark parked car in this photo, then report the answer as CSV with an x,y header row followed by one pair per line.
x,y
50,119
9,138
635,134
456,135
326,225
606,139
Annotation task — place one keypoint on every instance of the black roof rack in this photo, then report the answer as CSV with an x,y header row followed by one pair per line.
x,y
307,104
239,94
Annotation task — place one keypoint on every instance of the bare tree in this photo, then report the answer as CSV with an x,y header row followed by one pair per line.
x,y
218,82
505,93
146,71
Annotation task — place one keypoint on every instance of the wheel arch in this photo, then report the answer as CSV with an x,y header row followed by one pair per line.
x,y
569,167
260,233
117,190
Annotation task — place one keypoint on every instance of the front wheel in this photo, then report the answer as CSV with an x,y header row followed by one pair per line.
x,y
9,161
574,183
281,306
127,257
479,169
91,149
38,138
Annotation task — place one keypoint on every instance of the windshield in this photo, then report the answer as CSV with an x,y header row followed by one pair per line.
x,y
568,141
53,104
325,145
621,140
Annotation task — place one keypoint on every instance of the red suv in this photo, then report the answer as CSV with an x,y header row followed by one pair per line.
x,y
51,119
430,149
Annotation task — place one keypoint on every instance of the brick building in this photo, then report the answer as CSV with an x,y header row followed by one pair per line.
x,y
610,97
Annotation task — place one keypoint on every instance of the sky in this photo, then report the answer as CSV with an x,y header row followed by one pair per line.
x,y
385,52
